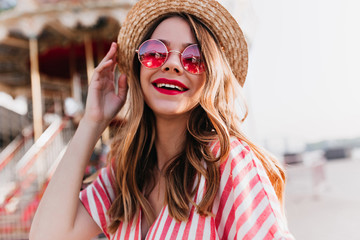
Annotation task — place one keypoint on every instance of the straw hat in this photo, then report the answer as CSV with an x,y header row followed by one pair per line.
x,y
210,12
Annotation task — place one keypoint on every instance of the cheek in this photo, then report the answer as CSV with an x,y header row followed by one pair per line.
x,y
145,85
145,74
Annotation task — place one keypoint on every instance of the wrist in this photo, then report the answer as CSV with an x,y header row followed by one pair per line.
x,y
96,128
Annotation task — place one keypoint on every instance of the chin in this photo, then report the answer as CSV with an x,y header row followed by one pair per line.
x,y
169,110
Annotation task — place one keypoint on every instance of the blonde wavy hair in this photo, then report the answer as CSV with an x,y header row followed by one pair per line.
x,y
217,117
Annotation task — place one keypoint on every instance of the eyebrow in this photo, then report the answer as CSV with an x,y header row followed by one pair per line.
x,y
184,45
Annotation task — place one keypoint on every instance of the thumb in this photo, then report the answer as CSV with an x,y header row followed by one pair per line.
x,y
122,86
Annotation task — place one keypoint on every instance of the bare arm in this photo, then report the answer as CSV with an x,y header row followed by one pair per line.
x,y
60,214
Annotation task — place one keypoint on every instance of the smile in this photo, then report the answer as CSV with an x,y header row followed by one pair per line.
x,y
169,87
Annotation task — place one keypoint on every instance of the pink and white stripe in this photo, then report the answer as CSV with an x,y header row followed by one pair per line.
x,y
246,206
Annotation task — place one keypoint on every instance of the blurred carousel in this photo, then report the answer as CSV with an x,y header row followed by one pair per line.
x,y
48,49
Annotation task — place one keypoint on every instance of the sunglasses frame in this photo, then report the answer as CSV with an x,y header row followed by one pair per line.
x,y
167,55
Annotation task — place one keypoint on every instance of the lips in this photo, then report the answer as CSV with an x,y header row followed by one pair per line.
x,y
169,87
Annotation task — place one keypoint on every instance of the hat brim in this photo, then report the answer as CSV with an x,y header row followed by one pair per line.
x,y
210,12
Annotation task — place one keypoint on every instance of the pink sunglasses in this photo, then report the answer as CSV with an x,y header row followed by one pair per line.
x,y
153,53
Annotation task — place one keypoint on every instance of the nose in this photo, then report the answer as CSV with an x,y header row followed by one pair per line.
x,y
173,63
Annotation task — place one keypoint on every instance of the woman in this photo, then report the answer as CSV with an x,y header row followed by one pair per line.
x,y
180,166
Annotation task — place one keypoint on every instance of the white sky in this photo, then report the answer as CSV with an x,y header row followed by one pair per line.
x,y
303,83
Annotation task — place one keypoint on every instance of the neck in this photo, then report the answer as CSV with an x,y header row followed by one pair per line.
x,y
170,138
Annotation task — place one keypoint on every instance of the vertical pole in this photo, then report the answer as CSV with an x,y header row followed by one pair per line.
x,y
89,56
76,88
35,88
75,78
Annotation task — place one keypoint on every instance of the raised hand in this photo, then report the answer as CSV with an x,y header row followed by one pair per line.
x,y
102,102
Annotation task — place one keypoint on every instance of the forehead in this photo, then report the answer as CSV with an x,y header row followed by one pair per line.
x,y
174,30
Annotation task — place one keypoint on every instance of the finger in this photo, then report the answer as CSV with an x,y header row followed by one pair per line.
x,y
111,54
122,85
102,66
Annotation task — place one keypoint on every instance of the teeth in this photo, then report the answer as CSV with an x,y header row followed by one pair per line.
x,y
160,85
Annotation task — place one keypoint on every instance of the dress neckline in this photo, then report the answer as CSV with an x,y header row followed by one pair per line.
x,y
150,230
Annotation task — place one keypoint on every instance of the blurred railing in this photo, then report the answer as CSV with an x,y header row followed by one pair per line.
x,y
11,155
31,176
11,126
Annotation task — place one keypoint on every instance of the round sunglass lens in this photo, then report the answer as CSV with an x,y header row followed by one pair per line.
x,y
191,60
152,53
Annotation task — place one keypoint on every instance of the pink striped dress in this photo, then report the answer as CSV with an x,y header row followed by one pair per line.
x,y
246,206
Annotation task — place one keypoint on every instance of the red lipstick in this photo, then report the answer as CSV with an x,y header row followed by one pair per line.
x,y
169,87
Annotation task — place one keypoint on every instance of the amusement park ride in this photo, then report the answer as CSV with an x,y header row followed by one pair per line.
x,y
48,50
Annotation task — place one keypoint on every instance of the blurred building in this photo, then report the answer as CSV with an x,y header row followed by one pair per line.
x,y
48,50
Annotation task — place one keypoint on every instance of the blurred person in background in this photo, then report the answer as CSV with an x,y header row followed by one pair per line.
x,y
179,166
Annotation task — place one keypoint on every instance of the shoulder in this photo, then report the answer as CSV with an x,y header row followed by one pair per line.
x,y
102,188
239,155
246,205
242,172
236,145
241,159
